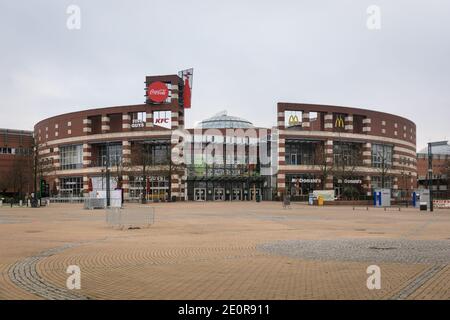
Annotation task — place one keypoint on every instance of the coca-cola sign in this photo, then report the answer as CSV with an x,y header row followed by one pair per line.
x,y
157,91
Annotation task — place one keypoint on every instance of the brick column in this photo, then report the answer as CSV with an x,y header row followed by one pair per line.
x,y
281,176
126,152
367,125
367,154
175,123
149,121
87,155
86,184
328,122
306,124
395,183
175,185
280,120
105,124
181,120
87,126
56,158
367,185
174,91
349,123
328,145
126,122
126,187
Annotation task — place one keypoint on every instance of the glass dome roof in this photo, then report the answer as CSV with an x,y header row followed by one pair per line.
x,y
223,121
439,148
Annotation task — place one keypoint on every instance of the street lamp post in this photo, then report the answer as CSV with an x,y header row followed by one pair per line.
x,y
108,191
430,173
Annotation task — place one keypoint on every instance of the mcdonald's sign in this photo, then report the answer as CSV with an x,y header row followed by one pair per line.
x,y
339,122
293,120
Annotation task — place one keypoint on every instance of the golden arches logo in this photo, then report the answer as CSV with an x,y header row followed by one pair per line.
x,y
293,120
339,122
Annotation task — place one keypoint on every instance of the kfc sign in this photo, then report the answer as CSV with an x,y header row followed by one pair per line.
x,y
162,119
157,91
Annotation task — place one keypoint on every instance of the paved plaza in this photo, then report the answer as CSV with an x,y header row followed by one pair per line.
x,y
235,250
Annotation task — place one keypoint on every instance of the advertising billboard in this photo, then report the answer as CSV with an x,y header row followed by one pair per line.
x,y
157,91
187,76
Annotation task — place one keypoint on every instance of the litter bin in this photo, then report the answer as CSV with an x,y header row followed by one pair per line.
x,y
320,201
174,199
258,198
423,206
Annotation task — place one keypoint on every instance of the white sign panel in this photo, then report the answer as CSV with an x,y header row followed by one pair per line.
x,y
327,195
162,119
441,204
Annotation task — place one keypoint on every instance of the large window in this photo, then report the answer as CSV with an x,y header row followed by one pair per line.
x,y
299,153
378,183
152,152
154,187
115,154
347,153
381,156
71,186
71,157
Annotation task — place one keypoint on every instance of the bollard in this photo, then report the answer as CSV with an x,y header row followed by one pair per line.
x,y
20,203
1,203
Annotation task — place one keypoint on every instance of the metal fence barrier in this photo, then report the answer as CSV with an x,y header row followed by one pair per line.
x,y
126,218
94,203
66,199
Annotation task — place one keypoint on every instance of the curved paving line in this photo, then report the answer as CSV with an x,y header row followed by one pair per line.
x,y
418,282
24,275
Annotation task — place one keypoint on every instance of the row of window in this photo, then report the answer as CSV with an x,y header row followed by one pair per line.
x,y
73,186
344,154
16,151
71,157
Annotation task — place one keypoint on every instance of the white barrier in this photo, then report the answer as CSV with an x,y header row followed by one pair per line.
x,y
141,217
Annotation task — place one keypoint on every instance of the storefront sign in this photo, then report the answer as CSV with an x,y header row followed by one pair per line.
x,y
350,181
162,119
339,122
293,120
306,180
157,91
137,123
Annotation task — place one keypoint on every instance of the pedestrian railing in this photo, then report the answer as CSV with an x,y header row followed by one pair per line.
x,y
66,200
130,218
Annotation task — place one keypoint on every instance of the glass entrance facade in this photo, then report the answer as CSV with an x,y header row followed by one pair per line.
x,y
232,189
156,188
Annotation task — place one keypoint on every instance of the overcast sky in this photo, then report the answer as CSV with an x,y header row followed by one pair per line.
x,y
246,55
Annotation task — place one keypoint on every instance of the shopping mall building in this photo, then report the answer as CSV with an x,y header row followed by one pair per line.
x,y
146,151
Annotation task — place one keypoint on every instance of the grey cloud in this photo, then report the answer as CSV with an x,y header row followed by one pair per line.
x,y
247,56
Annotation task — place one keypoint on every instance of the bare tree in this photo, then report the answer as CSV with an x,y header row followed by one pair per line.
x,y
344,168
326,168
383,155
